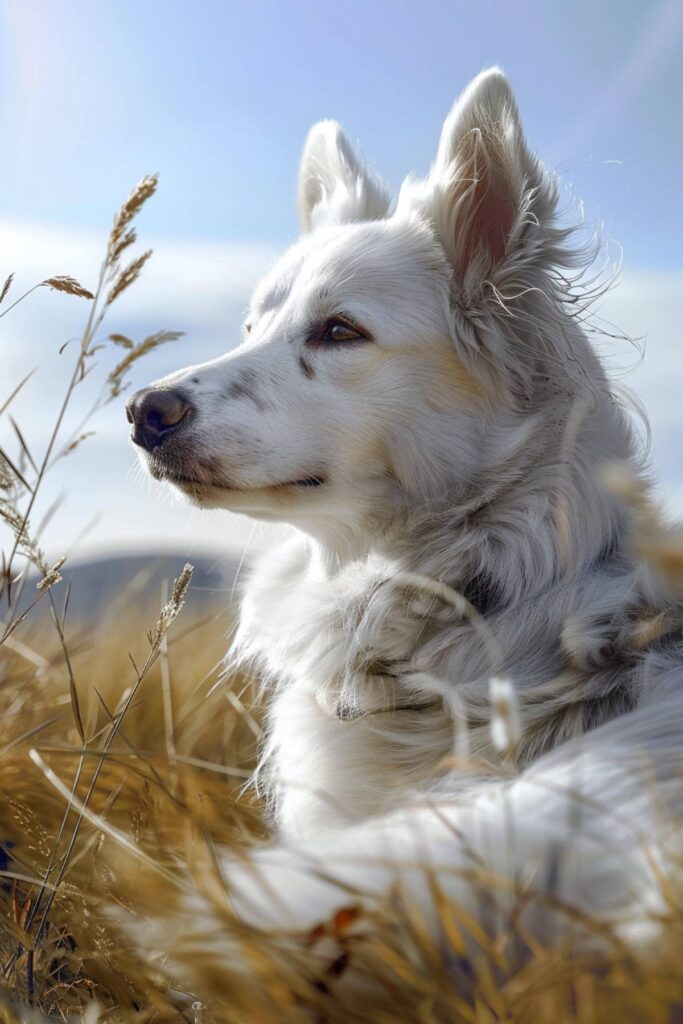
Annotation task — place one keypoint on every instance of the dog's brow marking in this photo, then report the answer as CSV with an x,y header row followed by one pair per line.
x,y
243,387
307,368
237,390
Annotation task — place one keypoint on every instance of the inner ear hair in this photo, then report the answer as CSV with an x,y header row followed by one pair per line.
x,y
482,204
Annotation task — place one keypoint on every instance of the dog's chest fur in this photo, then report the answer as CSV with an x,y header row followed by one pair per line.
x,y
330,633
355,658
347,737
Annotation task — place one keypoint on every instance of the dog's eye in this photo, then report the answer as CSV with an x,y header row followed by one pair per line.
x,y
338,331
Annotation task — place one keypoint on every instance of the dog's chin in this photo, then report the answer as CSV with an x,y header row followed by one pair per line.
x,y
236,496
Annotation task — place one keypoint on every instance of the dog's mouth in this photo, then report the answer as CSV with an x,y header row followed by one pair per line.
x,y
194,483
308,481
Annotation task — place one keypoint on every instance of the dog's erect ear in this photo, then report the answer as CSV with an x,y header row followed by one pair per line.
x,y
335,184
485,186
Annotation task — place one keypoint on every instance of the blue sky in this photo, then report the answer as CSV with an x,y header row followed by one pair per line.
x,y
218,97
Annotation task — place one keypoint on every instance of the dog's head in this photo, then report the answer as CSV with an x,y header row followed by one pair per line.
x,y
383,345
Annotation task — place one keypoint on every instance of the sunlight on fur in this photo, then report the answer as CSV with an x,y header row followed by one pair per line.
x,y
438,777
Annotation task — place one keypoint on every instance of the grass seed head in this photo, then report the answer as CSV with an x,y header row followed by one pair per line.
x,y
127,276
174,605
122,235
116,379
52,576
122,341
6,287
69,285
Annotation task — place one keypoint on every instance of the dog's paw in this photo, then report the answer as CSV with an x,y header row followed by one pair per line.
x,y
390,627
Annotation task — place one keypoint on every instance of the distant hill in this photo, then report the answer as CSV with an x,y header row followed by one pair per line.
x,y
130,582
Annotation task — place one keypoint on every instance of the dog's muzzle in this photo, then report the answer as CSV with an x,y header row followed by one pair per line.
x,y
156,414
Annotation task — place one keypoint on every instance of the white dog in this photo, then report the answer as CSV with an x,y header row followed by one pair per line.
x,y
466,660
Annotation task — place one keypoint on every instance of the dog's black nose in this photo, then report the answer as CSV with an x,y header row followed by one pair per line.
x,y
156,414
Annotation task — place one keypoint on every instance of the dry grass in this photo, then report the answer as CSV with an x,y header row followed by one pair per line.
x,y
176,802
123,762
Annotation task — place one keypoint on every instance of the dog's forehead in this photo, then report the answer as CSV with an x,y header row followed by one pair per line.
x,y
274,288
369,258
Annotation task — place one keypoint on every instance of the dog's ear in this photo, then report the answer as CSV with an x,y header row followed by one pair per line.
x,y
485,187
335,184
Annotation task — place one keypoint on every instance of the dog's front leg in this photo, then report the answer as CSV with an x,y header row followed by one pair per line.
x,y
351,733
384,649
326,770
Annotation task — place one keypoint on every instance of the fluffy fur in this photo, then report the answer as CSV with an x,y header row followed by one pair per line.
x,y
456,561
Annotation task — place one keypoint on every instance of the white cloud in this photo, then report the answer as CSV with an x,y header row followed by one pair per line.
x,y
649,304
192,282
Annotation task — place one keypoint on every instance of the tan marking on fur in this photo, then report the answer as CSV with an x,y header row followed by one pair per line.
x,y
448,381
649,630
359,372
362,448
453,382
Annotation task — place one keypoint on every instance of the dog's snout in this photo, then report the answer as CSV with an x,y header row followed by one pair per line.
x,y
156,414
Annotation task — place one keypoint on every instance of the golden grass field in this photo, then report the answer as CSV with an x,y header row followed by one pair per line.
x,y
124,764
171,781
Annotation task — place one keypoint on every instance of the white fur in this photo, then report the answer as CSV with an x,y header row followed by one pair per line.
x,y
461,533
